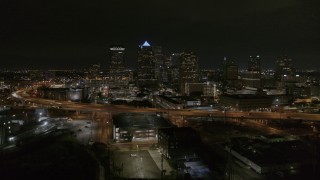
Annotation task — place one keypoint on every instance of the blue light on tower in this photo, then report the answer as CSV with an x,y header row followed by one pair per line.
x,y
146,44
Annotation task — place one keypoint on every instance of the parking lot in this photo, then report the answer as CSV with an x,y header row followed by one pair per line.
x,y
140,164
84,130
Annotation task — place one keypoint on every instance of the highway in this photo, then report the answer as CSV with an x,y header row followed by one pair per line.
x,y
21,94
175,112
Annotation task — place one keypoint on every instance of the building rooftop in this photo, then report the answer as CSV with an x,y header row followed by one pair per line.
x,y
247,96
197,170
267,153
139,121
187,136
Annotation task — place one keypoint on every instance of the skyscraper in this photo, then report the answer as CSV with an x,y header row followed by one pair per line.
x,y
172,64
146,66
254,63
252,77
158,59
231,73
189,69
231,70
284,68
117,68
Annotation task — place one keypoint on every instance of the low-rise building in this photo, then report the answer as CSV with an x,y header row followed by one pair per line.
x,y
137,127
269,154
63,93
246,102
178,143
176,102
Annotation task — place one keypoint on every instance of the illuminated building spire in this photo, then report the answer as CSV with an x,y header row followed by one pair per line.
x,y
146,44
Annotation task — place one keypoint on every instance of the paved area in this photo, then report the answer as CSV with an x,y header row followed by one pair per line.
x,y
156,156
84,130
141,165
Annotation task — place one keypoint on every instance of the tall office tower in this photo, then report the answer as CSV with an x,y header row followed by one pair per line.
x,y
172,67
254,63
167,69
189,69
167,62
158,59
252,77
284,69
117,67
231,70
145,68
176,59
231,73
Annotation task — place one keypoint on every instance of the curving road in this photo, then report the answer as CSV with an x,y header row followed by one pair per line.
x,y
172,112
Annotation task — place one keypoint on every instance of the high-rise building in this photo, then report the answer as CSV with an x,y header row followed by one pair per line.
x,y
189,69
167,62
172,64
252,77
231,73
117,67
146,65
158,59
231,70
284,68
254,63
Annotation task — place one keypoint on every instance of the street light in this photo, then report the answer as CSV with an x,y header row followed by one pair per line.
x,y
137,149
162,170
225,114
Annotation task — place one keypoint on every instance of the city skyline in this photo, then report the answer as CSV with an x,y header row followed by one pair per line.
x,y
38,34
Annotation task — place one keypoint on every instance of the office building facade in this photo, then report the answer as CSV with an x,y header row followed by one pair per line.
x,y
189,69
117,67
146,66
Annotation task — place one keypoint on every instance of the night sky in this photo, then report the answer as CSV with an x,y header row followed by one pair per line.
x,y
76,33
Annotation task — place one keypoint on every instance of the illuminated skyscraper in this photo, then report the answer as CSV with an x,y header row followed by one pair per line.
x,y
284,68
189,69
254,64
158,59
231,70
146,65
117,67
231,73
167,61
172,65
252,77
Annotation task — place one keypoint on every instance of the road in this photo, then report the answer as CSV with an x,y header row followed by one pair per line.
x,y
173,112
91,130
104,129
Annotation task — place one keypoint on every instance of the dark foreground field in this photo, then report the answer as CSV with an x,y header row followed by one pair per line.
x,y
58,157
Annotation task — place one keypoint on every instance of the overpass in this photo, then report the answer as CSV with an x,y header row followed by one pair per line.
x,y
83,107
